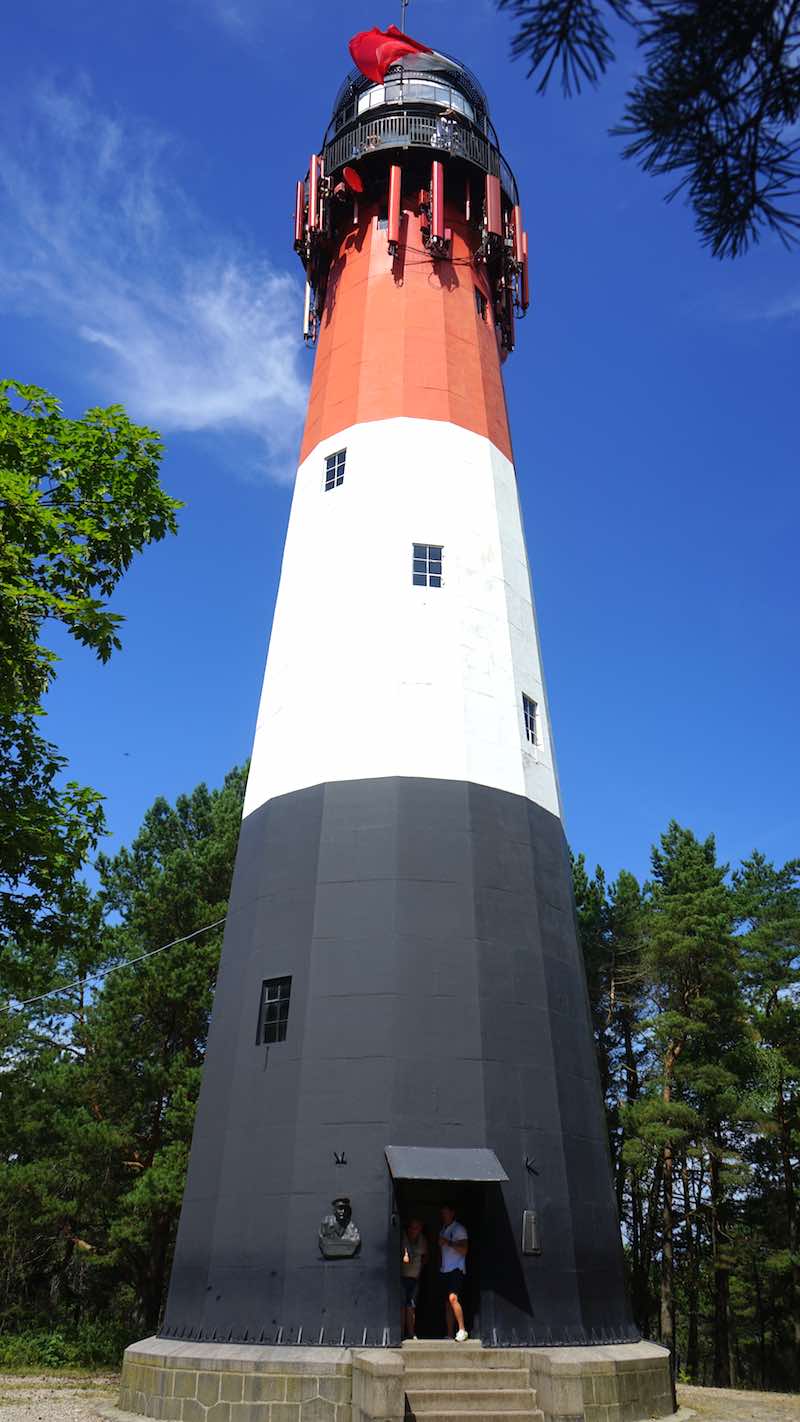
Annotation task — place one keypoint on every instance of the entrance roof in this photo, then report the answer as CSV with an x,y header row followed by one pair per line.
x,y
444,1163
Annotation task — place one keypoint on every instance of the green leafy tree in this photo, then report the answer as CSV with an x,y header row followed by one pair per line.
x,y
78,499
715,106
100,1083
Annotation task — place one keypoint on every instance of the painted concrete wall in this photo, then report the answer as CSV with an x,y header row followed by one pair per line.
x,y
369,676
437,999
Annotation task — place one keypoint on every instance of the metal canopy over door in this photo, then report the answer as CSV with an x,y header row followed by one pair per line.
x,y
454,1163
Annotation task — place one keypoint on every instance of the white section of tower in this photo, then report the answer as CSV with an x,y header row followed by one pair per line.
x,y
368,675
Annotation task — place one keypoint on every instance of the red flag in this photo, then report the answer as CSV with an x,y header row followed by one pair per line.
x,y
374,51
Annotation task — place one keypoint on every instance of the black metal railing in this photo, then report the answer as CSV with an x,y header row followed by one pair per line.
x,y
415,130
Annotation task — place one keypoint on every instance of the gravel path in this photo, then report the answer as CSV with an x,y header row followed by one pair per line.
x,y
714,1404
51,1398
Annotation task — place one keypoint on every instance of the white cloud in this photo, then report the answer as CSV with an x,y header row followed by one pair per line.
x,y
181,324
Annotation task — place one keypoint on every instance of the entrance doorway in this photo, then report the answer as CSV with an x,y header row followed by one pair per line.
x,y
422,1200
423,1179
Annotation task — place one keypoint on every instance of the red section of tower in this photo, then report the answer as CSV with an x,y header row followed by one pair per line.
x,y
402,334
410,230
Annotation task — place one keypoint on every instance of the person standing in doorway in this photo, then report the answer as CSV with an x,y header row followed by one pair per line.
x,y
453,1246
415,1252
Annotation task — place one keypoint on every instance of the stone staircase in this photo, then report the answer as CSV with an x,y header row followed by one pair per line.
x,y
465,1382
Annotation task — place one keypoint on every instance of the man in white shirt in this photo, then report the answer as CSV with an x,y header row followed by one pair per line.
x,y
453,1246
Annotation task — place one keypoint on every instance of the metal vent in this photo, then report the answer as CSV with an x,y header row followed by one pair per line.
x,y
531,1244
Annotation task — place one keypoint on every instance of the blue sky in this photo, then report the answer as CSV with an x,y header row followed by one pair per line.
x,y
148,151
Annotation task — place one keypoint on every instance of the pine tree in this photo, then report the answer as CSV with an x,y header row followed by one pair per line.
x,y
768,915
690,961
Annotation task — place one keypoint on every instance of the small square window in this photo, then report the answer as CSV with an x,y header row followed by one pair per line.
x,y
273,1011
530,712
481,303
426,565
334,469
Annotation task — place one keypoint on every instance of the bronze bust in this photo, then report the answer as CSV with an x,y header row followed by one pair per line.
x,y
338,1235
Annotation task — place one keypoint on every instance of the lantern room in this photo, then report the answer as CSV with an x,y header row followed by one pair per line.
x,y
421,138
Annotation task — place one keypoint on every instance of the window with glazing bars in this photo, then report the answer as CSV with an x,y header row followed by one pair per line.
x,y
530,712
427,565
274,1010
334,469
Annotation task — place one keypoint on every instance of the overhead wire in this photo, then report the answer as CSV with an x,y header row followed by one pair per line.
x,y
104,973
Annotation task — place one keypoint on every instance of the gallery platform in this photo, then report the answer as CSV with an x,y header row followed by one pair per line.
x,y
434,1381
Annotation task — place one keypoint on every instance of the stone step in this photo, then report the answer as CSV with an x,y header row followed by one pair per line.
x,y
442,1345
477,1402
531,1414
437,1353
451,1377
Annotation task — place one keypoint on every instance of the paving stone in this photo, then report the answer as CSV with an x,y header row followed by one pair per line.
x,y
250,1411
220,1412
318,1410
299,1389
606,1389
264,1387
597,1413
208,1388
231,1387
335,1389
285,1412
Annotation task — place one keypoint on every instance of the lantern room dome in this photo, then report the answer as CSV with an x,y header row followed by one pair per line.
x,y
425,73
425,101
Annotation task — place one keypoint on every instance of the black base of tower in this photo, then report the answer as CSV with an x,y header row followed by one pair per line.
x,y
438,999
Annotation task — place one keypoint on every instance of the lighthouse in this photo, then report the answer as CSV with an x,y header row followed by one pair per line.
x,y
401,1019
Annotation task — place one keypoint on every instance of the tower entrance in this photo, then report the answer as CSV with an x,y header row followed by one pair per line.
x,y
426,1181
423,1200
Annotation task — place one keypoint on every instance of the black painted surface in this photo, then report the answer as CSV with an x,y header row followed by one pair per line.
x,y
438,999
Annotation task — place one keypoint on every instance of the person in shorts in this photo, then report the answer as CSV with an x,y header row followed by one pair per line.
x,y
415,1253
453,1246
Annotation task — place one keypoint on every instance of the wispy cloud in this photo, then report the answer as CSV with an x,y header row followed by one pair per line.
x,y
241,19
237,18
782,307
181,323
